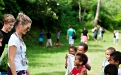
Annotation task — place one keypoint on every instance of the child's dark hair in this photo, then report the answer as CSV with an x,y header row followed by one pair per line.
x,y
112,49
85,46
82,57
1,35
116,56
111,69
73,47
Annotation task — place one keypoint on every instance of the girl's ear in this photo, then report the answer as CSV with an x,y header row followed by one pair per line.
x,y
117,62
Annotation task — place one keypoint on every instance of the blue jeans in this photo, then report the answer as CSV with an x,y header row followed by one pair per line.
x,y
2,73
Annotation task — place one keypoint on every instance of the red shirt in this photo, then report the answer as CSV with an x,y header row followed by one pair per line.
x,y
76,71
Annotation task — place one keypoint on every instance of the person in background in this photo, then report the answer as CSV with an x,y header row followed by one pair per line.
x,y
1,38
114,37
69,35
84,35
101,30
58,38
111,69
41,38
8,21
117,37
95,31
17,60
49,40
107,56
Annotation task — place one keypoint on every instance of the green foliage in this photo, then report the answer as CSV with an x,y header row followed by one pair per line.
x,y
2,7
57,14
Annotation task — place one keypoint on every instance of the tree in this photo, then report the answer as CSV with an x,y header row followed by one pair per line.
x,y
97,13
79,11
2,7
85,4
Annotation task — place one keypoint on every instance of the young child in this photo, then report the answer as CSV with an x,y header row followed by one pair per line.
x,y
107,55
69,65
58,38
49,41
79,62
115,58
82,48
111,69
41,37
1,38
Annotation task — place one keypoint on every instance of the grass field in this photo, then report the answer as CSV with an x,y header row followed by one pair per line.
x,y
51,61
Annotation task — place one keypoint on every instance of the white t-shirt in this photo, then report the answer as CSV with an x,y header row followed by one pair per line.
x,y
119,71
20,53
70,61
117,35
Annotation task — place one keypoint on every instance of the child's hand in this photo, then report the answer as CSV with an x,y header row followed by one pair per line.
x,y
65,66
66,56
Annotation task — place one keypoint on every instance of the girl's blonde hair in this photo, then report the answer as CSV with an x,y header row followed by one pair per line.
x,y
8,18
23,19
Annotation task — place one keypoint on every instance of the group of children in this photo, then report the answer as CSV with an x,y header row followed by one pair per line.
x,y
77,62
49,40
112,62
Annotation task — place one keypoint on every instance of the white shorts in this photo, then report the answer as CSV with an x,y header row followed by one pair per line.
x,y
71,41
49,42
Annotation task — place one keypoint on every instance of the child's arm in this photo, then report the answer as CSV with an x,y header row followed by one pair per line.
x,y
88,66
66,61
83,72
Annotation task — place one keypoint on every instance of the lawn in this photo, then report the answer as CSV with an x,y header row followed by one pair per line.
x,y
51,61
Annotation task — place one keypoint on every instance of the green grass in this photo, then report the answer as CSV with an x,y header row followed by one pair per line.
x,y
51,61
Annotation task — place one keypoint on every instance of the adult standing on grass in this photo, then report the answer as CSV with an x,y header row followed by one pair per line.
x,y
95,31
17,61
101,30
69,35
84,35
117,37
8,23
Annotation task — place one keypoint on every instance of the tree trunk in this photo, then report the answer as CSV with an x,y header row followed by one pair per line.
x,y
79,11
84,10
97,13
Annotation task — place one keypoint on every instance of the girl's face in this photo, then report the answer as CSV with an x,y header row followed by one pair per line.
x,y
80,49
9,26
72,51
76,61
1,42
25,28
112,61
107,54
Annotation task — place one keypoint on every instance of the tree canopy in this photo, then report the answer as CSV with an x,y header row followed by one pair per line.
x,y
53,14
